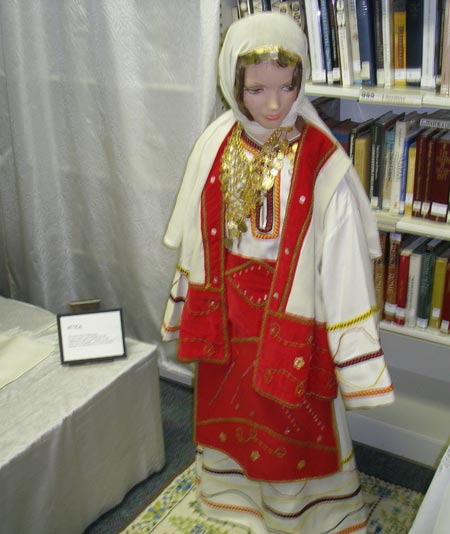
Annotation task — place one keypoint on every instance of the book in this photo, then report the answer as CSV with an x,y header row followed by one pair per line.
x,y
378,37
432,249
316,52
414,273
429,169
414,36
438,288
437,119
245,8
331,62
327,107
430,44
387,168
387,22
359,129
399,31
365,20
379,273
344,43
361,159
420,169
409,188
378,131
406,188
354,41
403,127
445,43
445,315
440,179
402,277
390,297
341,132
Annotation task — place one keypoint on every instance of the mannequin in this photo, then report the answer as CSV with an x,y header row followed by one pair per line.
x,y
273,296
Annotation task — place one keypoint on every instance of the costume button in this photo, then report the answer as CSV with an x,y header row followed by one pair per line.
x,y
302,199
215,279
287,250
254,456
276,295
222,437
213,231
213,179
301,464
299,362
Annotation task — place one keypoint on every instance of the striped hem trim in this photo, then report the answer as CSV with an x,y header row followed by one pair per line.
x,y
170,328
359,359
244,509
355,320
368,393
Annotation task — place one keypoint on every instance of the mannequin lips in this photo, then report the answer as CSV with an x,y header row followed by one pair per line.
x,y
273,117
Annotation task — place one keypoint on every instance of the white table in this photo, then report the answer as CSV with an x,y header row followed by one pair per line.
x,y
73,439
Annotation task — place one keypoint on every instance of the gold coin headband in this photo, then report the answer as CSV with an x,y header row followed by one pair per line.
x,y
269,53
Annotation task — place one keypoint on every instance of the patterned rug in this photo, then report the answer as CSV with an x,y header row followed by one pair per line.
x,y
175,511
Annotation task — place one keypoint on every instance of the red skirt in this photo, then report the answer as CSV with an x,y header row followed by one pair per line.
x,y
270,441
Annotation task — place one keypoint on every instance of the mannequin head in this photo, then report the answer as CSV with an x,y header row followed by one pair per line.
x,y
263,37
266,90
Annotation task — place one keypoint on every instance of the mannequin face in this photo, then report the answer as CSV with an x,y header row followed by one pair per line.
x,y
269,92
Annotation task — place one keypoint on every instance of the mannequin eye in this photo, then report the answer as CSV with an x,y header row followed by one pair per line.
x,y
288,88
253,90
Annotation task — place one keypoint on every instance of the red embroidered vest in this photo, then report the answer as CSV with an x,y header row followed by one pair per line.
x,y
293,357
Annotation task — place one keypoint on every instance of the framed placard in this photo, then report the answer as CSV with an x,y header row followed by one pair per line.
x,y
91,337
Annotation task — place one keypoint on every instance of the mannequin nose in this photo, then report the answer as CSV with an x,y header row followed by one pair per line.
x,y
273,102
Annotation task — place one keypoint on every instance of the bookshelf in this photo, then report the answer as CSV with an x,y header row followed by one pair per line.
x,y
417,425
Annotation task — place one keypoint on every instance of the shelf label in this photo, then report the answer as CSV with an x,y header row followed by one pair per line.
x,y
371,95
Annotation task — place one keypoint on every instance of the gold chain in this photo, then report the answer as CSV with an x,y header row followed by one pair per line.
x,y
246,182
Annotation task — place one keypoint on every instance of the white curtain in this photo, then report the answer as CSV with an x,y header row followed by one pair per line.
x,y
100,104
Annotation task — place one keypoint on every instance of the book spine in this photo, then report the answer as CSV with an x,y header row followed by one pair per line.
x,y
388,42
428,176
445,317
374,193
415,266
399,29
390,303
378,36
344,40
440,180
354,40
318,70
402,288
445,69
414,35
409,188
425,285
387,165
419,174
326,39
335,59
364,16
429,48
403,181
428,122
379,273
437,293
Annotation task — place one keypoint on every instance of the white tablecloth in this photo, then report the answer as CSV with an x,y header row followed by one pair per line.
x,y
73,439
433,516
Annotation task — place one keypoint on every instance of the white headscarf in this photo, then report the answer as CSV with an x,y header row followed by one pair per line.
x,y
247,34
265,29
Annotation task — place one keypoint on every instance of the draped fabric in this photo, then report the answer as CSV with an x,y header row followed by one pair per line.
x,y
100,104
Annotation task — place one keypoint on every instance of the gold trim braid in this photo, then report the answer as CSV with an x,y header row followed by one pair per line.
x,y
269,53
